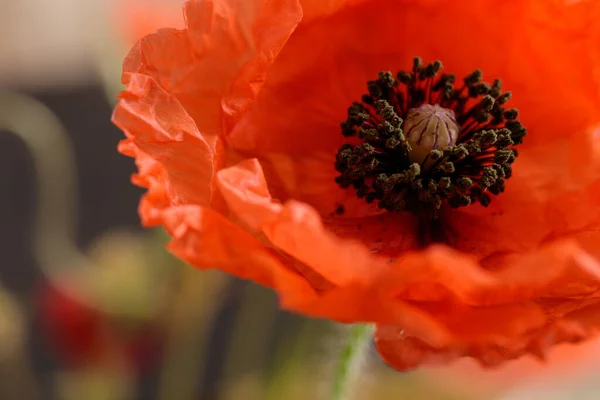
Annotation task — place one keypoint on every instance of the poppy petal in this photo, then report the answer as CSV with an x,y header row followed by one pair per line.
x,y
442,274
175,80
273,25
294,228
553,189
316,99
152,176
157,124
231,249
543,299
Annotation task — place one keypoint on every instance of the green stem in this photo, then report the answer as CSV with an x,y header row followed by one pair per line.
x,y
351,358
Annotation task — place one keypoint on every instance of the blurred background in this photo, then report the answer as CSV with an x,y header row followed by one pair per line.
x,y
93,307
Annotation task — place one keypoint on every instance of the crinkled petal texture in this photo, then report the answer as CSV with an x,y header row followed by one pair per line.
x,y
234,125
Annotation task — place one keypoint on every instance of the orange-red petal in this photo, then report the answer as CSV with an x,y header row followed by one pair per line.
x,y
554,191
175,80
157,124
543,299
230,249
300,106
293,228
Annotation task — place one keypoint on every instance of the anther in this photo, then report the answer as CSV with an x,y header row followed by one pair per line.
x,y
424,143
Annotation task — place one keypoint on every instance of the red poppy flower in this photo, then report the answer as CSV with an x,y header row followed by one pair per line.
x,y
92,314
73,327
404,215
83,336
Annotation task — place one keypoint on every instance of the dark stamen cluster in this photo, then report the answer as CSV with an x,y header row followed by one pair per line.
x,y
377,159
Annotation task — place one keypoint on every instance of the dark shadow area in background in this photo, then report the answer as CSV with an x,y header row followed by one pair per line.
x,y
107,199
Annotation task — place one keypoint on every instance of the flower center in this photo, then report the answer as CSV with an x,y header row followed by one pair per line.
x,y
417,143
